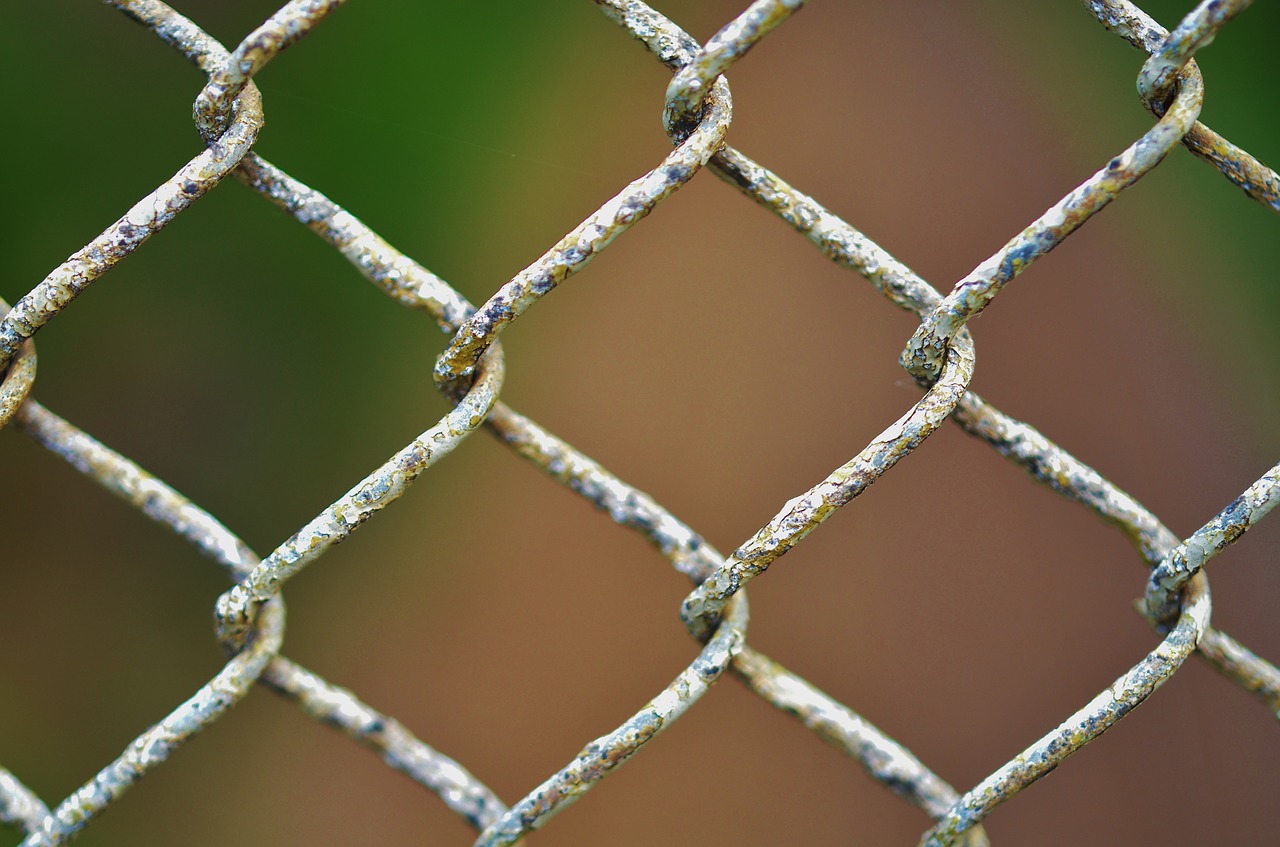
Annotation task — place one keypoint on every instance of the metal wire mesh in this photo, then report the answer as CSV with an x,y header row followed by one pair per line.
x,y
470,372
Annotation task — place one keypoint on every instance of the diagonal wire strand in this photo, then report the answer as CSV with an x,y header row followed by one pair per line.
x,y
328,703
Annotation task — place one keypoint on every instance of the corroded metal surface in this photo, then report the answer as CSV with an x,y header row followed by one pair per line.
x,y
154,746
1195,31
214,699
320,699
414,286
940,356
845,245
147,217
849,247
290,23
577,248
16,381
1021,443
1186,560
462,792
804,513
1095,718
886,761
602,755
18,805
237,608
405,280
1064,473
1137,27
688,88
924,352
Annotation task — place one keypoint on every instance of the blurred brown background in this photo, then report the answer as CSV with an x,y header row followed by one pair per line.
x,y
958,605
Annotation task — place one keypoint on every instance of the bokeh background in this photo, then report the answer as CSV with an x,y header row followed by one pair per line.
x,y
710,356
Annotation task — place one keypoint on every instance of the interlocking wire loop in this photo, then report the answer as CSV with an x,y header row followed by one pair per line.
x,y
940,356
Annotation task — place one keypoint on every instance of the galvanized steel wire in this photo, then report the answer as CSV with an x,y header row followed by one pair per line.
x,y
940,357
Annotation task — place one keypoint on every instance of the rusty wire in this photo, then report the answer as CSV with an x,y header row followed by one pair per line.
x,y
1136,26
940,356
321,700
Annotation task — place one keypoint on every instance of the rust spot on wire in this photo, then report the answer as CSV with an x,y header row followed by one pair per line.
x,y
16,380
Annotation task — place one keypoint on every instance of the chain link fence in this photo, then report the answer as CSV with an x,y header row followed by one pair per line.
x,y
939,357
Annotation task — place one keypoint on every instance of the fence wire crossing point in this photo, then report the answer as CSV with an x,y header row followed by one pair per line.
x,y
940,356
